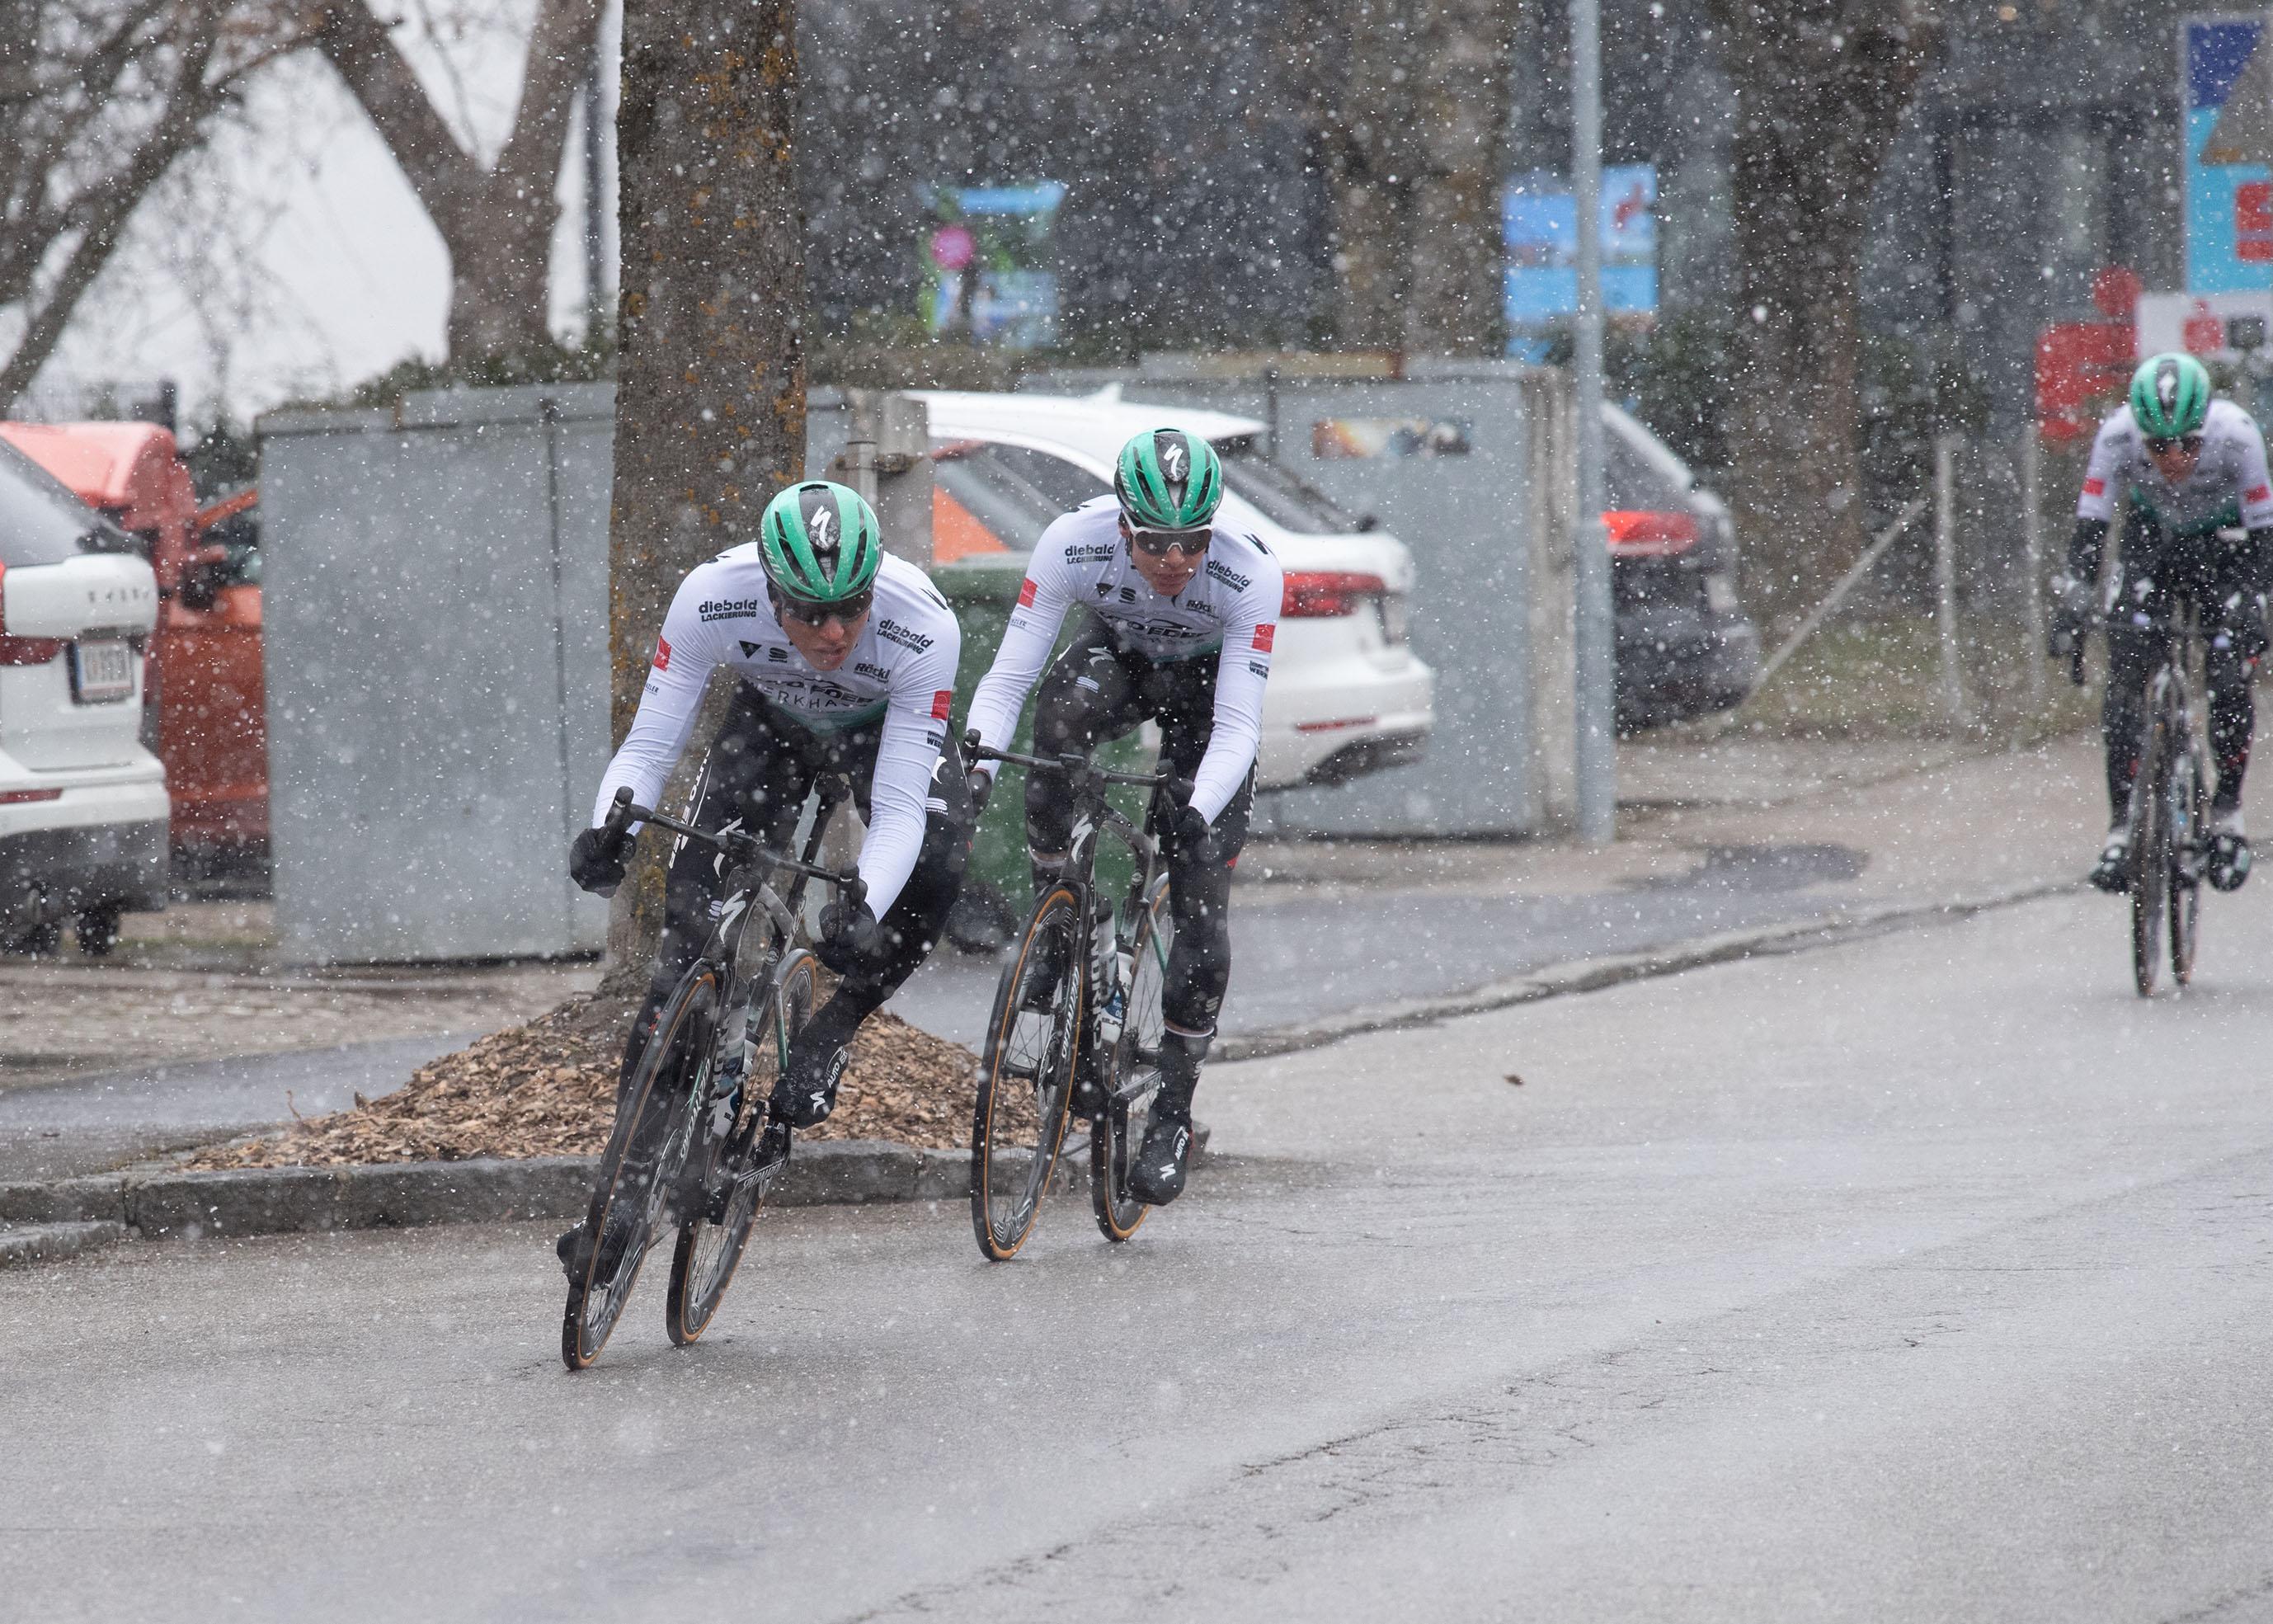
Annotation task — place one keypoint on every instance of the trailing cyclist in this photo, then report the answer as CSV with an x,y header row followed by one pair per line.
x,y
2184,467
847,660
1176,614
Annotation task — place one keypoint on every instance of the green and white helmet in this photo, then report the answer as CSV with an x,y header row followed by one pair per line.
x,y
2170,396
1168,480
820,543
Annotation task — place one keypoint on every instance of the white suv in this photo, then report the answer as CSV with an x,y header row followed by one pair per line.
x,y
82,803
1347,695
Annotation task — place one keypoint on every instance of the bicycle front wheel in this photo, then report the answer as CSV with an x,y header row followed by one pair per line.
x,y
2150,861
2187,819
1026,1076
721,1209
655,1123
1136,1074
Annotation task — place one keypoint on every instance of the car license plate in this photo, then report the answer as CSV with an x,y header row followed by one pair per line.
x,y
102,671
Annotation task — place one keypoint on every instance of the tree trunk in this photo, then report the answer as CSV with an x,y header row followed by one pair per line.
x,y
496,222
1821,86
1412,125
711,391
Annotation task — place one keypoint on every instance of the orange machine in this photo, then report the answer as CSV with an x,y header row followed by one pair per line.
x,y
203,696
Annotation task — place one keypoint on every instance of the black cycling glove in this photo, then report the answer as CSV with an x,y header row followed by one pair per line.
x,y
596,860
851,939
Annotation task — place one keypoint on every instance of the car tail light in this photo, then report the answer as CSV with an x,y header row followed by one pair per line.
x,y
1639,533
1323,594
23,650
18,797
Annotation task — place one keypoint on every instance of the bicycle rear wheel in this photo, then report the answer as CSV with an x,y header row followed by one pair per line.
x,y
2150,861
722,1204
1025,1078
1136,1074
2189,833
655,1122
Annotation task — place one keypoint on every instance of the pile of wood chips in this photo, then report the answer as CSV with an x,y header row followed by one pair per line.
x,y
548,1088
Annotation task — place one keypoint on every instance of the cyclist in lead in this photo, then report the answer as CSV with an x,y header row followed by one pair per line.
x,y
1176,615
846,657
2183,467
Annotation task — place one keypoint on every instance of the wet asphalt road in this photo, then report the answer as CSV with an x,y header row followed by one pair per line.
x,y
1929,1276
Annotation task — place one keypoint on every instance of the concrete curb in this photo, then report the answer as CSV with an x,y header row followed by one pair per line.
x,y
44,1242
404,1194
1593,974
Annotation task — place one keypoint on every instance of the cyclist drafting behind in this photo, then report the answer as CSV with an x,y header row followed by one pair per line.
x,y
847,658
2190,467
1176,617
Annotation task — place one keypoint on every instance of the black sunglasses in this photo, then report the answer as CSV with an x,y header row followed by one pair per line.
x,y
2189,443
845,609
1156,543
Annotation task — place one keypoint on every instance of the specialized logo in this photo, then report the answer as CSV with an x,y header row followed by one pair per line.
x,y
662,654
906,637
820,526
2166,387
1175,461
1217,570
727,609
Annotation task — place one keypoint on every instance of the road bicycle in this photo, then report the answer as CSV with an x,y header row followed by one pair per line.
x,y
1076,1023
2168,822
693,1143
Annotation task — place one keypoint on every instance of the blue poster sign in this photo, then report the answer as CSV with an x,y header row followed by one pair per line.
x,y
1540,220
2226,91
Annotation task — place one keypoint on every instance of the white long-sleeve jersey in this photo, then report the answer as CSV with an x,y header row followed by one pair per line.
x,y
2228,484
901,672
1232,606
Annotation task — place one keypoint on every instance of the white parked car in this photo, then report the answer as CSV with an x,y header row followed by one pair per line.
x,y
1347,694
82,803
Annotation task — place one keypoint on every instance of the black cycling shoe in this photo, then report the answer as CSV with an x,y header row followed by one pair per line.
x,y
1155,1177
805,1092
2113,871
2229,861
575,1250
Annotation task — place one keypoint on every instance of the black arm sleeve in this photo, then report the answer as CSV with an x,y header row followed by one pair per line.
x,y
2085,549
